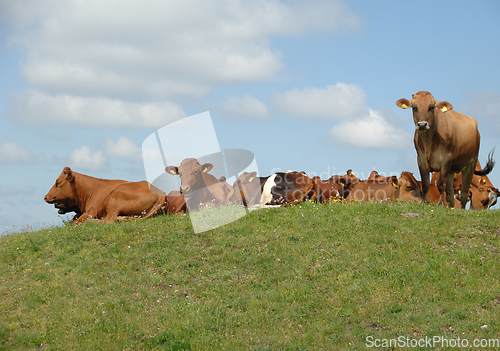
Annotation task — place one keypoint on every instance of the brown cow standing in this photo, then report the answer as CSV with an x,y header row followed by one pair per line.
x,y
197,186
102,198
446,141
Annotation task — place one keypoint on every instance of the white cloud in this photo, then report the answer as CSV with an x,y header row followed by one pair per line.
x,y
358,125
33,106
13,152
124,148
339,101
246,107
84,158
85,59
158,49
371,131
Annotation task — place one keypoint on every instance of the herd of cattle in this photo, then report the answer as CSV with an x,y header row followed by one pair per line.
x,y
446,141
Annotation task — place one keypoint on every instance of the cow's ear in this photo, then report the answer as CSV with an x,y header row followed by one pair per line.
x,y
69,174
252,176
206,167
403,103
444,106
394,181
172,170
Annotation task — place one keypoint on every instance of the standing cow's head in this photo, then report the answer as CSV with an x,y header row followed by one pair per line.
x,y
191,173
62,191
424,107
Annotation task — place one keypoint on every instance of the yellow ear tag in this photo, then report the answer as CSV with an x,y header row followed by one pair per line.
x,y
250,179
444,109
394,185
404,106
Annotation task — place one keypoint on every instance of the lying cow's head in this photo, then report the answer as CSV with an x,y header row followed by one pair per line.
x,y
62,191
408,187
247,189
350,178
191,173
376,177
424,108
348,181
483,196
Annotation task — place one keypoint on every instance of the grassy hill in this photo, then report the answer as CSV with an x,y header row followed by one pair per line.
x,y
307,277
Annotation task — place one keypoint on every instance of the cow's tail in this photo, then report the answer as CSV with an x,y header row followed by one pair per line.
x,y
489,165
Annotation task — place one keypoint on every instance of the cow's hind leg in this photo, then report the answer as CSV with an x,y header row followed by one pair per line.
x,y
467,175
450,194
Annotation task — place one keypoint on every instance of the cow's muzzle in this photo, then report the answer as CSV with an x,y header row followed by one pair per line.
x,y
492,198
186,191
49,200
422,126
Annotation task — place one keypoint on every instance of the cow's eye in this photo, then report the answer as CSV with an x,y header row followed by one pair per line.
x,y
431,108
414,108
408,187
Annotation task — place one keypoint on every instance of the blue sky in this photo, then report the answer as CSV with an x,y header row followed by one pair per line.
x,y
304,85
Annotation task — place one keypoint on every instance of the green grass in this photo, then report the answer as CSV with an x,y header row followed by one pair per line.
x,y
307,277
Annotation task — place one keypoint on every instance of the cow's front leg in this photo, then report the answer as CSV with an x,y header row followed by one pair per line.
x,y
90,214
424,176
440,183
82,218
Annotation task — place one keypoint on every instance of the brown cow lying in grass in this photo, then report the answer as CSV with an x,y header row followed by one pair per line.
x,y
111,200
404,188
198,186
281,188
